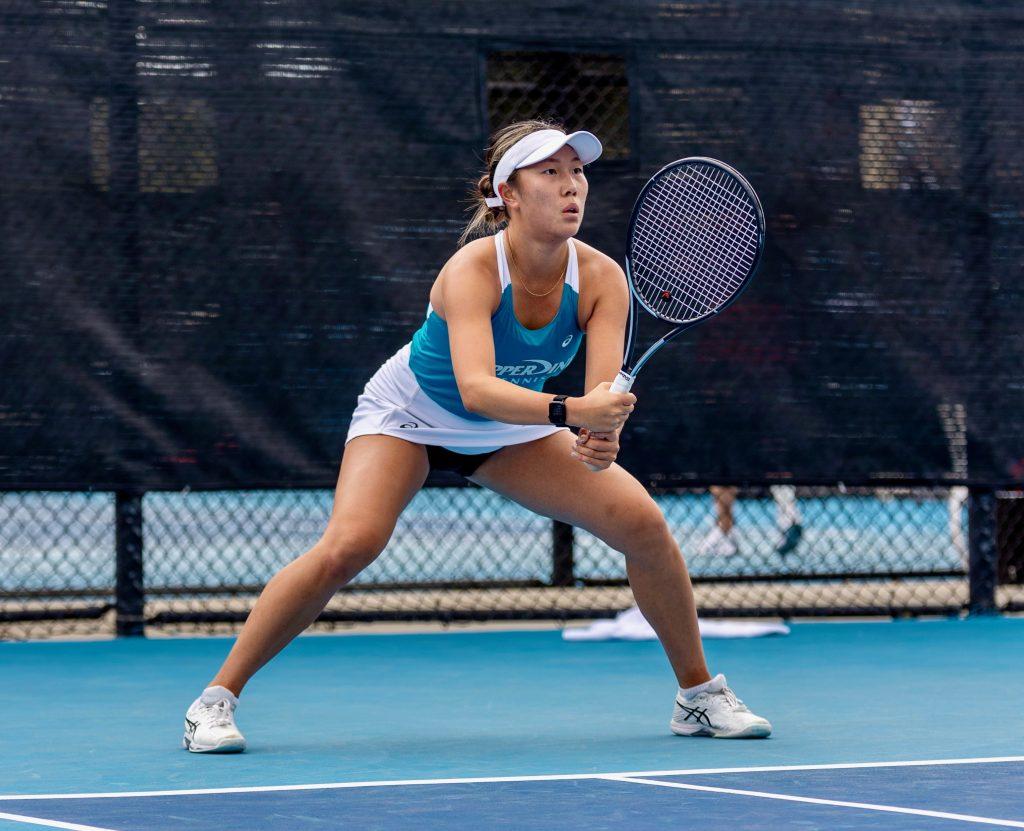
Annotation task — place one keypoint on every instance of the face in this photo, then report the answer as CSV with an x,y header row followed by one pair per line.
x,y
548,197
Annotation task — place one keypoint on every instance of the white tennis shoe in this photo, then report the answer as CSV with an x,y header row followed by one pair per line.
x,y
719,544
717,712
210,725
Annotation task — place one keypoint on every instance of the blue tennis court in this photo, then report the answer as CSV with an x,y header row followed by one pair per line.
x,y
895,725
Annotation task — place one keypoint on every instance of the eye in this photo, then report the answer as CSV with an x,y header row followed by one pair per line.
x,y
550,170
578,170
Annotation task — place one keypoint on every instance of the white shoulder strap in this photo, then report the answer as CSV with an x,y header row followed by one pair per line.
x,y
503,274
572,270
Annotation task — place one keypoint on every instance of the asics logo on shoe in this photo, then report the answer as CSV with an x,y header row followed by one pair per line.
x,y
697,714
190,727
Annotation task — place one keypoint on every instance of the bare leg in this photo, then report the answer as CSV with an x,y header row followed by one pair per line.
x,y
613,506
955,502
787,512
725,497
379,475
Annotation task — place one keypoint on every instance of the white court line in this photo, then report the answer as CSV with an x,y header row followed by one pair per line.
x,y
389,783
866,806
52,823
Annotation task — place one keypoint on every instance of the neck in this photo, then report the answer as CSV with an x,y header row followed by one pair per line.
x,y
539,261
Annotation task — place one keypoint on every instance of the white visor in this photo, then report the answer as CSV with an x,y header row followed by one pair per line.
x,y
539,146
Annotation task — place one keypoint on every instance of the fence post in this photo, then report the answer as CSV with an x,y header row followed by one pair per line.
x,y
562,565
129,592
983,554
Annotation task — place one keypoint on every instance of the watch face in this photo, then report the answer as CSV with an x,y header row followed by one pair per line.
x,y
556,413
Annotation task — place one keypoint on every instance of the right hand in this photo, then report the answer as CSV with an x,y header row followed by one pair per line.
x,y
600,410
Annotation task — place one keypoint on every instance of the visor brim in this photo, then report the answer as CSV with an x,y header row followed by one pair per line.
x,y
587,146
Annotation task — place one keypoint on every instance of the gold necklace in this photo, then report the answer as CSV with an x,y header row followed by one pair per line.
x,y
522,283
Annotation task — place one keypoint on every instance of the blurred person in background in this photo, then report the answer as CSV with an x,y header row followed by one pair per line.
x,y
723,540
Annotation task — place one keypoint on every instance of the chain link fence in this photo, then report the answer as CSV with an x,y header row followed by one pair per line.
x,y
78,564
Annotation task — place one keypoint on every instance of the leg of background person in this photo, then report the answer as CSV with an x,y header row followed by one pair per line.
x,y
953,417
379,476
955,502
787,518
721,540
616,508
786,511
725,498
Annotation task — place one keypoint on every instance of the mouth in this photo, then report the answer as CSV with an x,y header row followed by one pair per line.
x,y
571,209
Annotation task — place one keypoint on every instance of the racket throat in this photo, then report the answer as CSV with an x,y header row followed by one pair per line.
x,y
646,356
635,369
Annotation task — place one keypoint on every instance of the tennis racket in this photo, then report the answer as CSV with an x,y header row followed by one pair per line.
x,y
695,241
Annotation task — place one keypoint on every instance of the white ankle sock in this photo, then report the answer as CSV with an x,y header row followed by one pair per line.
x,y
214,694
714,685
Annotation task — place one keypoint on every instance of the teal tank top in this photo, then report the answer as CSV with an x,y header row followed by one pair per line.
x,y
527,357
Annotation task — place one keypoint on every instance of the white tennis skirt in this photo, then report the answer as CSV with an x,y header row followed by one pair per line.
x,y
393,404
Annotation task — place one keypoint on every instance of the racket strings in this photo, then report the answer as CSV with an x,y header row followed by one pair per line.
x,y
682,297
701,233
729,209
705,251
700,241
695,240
727,229
665,233
701,295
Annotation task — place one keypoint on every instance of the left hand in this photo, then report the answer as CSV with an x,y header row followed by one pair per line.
x,y
597,449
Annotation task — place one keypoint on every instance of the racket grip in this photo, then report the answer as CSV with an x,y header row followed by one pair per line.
x,y
623,381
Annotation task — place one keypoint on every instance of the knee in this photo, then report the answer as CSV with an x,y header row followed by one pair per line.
x,y
343,554
641,526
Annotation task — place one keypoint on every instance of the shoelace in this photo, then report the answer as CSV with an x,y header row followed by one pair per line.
x,y
730,696
218,714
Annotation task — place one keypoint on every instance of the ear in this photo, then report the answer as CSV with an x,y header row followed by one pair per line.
x,y
507,194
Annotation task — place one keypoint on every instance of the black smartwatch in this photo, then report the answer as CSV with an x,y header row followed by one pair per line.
x,y
556,410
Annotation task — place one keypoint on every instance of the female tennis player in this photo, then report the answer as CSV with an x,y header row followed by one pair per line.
x,y
506,314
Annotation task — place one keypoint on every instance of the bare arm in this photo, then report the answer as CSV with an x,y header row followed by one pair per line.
x,y
606,336
606,327
470,293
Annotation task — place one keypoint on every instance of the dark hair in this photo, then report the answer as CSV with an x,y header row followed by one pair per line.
x,y
485,218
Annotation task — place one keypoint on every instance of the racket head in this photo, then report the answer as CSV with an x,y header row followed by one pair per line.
x,y
696,236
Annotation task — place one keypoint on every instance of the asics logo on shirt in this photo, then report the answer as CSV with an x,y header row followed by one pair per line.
x,y
567,341
530,369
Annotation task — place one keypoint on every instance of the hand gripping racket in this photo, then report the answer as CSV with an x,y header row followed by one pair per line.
x,y
695,240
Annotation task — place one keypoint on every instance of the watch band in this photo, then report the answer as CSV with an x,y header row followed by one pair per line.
x,y
556,410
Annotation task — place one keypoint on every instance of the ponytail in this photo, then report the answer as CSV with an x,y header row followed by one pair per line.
x,y
485,218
